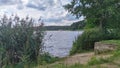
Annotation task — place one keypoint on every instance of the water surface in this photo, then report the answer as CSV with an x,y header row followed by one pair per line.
x,y
59,43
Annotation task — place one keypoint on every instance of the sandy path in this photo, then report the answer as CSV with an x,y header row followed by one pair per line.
x,y
82,58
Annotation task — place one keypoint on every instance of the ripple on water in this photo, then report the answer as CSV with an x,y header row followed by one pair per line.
x,y
59,43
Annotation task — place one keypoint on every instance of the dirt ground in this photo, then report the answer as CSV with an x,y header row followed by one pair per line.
x,y
82,58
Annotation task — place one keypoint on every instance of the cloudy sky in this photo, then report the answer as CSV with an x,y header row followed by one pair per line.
x,y
51,11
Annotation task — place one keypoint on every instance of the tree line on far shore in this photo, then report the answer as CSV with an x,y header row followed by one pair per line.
x,y
79,25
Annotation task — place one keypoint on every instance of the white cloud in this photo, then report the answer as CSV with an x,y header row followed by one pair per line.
x,y
51,11
24,1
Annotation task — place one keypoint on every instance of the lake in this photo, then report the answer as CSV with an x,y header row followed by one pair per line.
x,y
59,43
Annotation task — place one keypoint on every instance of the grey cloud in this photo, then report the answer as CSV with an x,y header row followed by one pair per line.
x,y
51,3
12,2
20,5
56,20
8,2
60,19
70,17
36,7
41,4
56,13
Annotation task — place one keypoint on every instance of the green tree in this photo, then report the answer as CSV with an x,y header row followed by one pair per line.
x,y
101,13
78,25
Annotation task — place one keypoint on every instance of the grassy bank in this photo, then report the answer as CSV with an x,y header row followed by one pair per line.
x,y
107,60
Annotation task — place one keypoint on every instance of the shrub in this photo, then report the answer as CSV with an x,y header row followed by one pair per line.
x,y
46,58
19,40
86,40
112,34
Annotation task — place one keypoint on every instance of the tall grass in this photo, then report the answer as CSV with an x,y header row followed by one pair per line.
x,y
20,42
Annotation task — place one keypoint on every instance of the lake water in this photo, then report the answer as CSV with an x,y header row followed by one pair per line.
x,y
59,43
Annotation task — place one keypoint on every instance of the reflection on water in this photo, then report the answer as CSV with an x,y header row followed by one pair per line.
x,y
59,43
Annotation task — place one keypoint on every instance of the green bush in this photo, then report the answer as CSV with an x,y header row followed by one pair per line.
x,y
86,41
46,59
112,34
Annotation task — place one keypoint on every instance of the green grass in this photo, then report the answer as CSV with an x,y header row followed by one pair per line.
x,y
114,42
93,63
115,54
61,65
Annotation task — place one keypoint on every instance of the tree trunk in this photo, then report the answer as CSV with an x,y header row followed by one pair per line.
x,y
101,25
